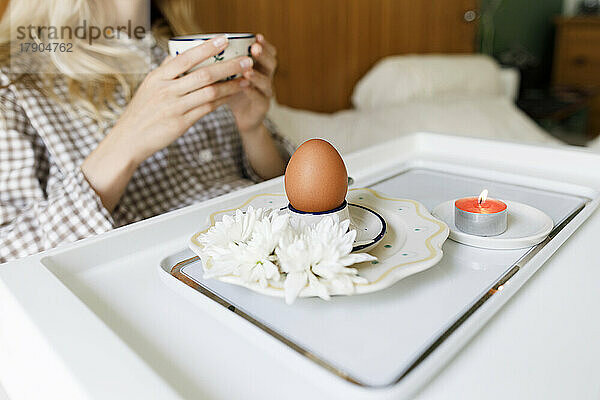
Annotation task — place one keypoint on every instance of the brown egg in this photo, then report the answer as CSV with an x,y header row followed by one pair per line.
x,y
316,179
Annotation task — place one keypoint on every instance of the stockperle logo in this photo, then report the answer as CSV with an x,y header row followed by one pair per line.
x,y
83,31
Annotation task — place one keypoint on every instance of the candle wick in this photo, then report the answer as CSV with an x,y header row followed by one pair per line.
x,y
482,197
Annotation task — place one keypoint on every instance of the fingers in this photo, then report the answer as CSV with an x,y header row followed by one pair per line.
x,y
193,115
211,94
268,46
260,82
265,62
192,57
257,98
167,59
206,76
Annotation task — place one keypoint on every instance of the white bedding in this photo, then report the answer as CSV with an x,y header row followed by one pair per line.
x,y
350,130
399,79
467,95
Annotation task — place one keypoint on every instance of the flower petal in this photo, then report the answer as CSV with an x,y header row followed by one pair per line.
x,y
320,288
294,283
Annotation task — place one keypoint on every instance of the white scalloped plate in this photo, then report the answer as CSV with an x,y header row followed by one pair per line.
x,y
412,242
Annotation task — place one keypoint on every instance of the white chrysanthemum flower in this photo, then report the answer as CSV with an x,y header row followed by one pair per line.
x,y
221,243
294,254
235,228
334,242
244,245
260,244
318,256
257,261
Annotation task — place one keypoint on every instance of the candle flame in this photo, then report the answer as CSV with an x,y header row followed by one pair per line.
x,y
483,196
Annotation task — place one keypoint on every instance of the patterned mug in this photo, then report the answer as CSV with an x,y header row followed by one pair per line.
x,y
239,45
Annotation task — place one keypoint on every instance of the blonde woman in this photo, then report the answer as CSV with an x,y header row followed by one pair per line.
x,y
88,146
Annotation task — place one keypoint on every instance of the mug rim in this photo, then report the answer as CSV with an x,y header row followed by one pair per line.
x,y
208,36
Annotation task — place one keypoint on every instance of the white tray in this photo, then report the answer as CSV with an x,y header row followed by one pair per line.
x,y
375,340
99,317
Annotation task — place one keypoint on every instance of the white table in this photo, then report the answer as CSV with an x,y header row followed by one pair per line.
x,y
544,343
3,395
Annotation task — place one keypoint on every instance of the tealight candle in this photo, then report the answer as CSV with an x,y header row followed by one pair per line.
x,y
480,216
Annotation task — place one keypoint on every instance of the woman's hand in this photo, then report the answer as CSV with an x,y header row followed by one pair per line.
x,y
250,106
164,107
167,104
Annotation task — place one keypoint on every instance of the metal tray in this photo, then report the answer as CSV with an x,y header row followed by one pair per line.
x,y
376,340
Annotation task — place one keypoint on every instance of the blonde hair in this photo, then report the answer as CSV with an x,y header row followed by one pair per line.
x,y
99,69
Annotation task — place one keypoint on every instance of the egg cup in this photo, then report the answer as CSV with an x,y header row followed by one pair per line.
x,y
370,227
314,217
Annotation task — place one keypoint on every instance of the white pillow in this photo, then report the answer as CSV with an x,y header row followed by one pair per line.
x,y
398,79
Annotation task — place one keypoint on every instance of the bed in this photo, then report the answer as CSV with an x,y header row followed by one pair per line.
x,y
468,95
358,72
